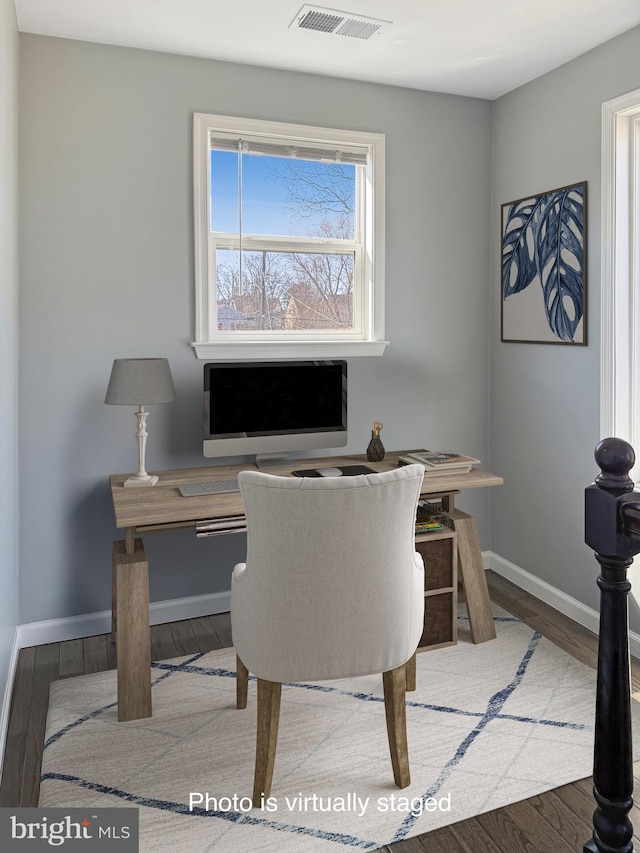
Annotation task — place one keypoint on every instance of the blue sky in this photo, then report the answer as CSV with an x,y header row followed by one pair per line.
x,y
266,206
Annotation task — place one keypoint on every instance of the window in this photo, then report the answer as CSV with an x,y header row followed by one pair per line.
x,y
620,371
289,240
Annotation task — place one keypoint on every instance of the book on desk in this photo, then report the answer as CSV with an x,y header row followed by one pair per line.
x,y
439,463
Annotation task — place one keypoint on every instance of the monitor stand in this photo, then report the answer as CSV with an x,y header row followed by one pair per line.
x,y
273,460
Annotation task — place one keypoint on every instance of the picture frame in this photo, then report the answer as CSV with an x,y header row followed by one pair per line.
x,y
543,268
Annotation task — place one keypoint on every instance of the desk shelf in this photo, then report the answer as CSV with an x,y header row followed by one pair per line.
x,y
439,551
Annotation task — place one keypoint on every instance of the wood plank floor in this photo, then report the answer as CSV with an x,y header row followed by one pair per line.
x,y
558,821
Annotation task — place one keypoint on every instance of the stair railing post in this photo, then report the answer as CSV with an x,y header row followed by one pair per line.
x,y
605,504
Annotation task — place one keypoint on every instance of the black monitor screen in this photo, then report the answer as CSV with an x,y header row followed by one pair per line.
x,y
267,398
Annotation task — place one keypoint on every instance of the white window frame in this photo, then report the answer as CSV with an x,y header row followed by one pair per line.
x,y
367,338
620,309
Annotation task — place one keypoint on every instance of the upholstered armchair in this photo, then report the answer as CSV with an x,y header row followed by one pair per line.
x,y
332,588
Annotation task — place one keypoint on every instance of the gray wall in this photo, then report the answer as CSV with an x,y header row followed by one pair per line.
x,y
107,271
545,399
9,336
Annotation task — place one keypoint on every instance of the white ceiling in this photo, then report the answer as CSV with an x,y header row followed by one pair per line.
x,y
481,48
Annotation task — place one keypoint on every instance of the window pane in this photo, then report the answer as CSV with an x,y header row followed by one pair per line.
x,y
283,197
224,192
300,198
321,292
284,291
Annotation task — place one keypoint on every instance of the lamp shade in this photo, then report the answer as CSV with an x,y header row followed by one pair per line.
x,y
140,381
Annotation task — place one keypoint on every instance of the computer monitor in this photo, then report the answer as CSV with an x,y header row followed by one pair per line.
x,y
273,408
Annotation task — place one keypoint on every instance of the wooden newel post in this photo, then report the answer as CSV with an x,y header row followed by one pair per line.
x,y
608,530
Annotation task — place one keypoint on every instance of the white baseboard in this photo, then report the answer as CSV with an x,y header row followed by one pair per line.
x,y
75,627
6,700
566,604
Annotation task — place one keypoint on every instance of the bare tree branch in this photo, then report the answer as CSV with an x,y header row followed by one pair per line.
x,y
317,187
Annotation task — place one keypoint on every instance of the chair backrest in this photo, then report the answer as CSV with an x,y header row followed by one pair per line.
x,y
333,586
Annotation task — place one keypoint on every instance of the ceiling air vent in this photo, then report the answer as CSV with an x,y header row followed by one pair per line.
x,y
338,23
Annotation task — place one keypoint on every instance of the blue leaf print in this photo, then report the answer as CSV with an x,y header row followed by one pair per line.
x,y
543,241
519,267
560,262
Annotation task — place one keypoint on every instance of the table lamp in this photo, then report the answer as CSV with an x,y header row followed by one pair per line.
x,y
140,382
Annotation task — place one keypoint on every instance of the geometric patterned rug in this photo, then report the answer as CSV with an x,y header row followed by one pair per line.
x,y
488,725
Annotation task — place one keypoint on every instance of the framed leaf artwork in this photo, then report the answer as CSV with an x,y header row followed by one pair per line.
x,y
543,285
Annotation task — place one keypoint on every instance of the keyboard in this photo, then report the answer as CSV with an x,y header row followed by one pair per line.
x,y
208,487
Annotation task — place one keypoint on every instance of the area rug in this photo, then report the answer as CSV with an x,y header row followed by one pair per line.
x,y
488,725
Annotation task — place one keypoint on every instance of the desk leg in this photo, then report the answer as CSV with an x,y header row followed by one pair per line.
x,y
134,641
129,548
114,603
473,577
129,540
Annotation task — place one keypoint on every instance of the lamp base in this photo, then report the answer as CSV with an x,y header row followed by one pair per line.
x,y
147,480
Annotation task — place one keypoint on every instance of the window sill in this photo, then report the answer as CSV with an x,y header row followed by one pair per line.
x,y
288,349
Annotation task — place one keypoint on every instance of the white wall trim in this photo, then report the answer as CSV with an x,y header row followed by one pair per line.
x,y
6,700
618,337
89,624
291,349
75,627
367,336
566,604
607,275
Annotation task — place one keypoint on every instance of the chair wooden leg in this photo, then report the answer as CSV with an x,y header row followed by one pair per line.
x,y
242,684
394,683
266,737
411,673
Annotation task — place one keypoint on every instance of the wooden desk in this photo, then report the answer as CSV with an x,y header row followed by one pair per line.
x,y
162,507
